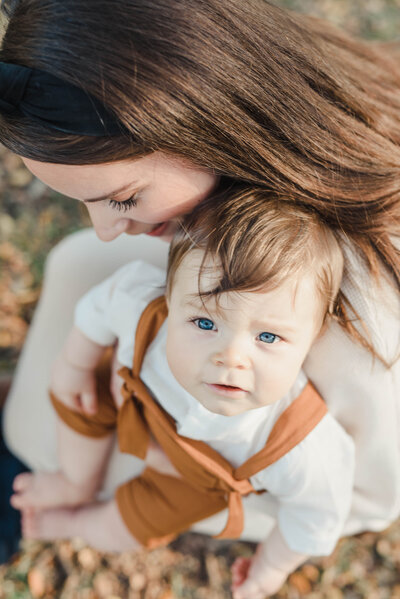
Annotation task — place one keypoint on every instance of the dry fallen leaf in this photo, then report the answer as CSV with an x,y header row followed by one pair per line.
x,y
300,583
89,559
137,581
36,582
311,572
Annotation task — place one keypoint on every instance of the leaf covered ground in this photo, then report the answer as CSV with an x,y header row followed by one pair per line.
x,y
196,567
32,220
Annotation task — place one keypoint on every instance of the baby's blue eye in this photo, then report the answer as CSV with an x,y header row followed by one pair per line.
x,y
205,324
268,337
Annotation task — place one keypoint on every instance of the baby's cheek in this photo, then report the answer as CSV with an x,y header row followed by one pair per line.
x,y
275,380
176,356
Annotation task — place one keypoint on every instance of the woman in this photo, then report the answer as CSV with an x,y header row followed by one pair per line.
x,y
155,104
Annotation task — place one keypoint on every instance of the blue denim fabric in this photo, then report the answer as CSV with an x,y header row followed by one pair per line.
x,y
10,530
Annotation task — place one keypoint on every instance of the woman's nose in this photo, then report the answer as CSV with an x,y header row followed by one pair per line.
x,y
105,228
232,356
112,232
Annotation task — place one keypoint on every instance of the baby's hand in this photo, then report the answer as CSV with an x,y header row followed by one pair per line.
x,y
74,386
265,573
252,578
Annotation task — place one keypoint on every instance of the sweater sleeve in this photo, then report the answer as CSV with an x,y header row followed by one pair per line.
x,y
364,395
312,485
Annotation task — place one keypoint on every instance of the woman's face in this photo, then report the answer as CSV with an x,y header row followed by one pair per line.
x,y
143,195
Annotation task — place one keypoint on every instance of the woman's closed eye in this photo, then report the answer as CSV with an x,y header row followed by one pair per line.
x,y
268,337
205,324
124,205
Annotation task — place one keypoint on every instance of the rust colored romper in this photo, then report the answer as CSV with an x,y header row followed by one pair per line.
x,y
157,507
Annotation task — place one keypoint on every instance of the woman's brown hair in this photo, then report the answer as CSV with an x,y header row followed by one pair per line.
x,y
254,92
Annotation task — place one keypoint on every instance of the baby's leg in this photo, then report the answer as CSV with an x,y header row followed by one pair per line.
x,y
82,464
99,524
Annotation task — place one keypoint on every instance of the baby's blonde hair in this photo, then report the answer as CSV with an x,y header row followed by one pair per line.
x,y
260,241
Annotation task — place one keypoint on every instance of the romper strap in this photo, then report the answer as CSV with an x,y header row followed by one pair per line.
x,y
133,433
149,324
235,522
293,425
221,468
134,439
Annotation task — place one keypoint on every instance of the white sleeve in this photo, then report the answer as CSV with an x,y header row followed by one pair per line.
x,y
313,487
363,395
109,309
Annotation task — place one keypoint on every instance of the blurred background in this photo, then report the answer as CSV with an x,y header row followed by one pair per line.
x,y
32,220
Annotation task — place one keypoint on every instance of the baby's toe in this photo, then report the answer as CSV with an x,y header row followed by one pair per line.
x,y
22,482
19,501
24,488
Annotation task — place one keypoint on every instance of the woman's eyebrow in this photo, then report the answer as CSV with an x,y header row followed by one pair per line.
x,y
109,195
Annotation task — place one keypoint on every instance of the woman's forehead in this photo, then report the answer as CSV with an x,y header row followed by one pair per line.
x,y
82,182
88,181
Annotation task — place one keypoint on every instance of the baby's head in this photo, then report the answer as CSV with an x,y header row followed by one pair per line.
x,y
251,281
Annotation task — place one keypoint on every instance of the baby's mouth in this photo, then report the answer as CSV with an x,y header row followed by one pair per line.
x,y
228,387
227,390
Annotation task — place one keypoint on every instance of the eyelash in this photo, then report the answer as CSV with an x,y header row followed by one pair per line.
x,y
124,206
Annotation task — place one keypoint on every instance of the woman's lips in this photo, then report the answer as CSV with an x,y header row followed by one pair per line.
x,y
158,230
227,390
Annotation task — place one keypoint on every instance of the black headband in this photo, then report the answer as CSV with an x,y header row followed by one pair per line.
x,y
53,102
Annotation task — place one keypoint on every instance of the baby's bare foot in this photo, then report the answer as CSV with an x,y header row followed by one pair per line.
x,y
98,524
44,490
48,525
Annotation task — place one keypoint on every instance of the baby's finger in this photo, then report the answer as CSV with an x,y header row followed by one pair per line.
x,y
239,570
89,402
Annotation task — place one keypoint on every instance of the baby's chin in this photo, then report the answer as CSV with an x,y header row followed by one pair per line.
x,y
220,408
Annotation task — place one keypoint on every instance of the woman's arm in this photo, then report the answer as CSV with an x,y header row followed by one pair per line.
x,y
364,397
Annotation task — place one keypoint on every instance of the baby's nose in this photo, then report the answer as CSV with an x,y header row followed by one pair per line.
x,y
232,356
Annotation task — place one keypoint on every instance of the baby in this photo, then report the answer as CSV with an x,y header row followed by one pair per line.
x,y
212,375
